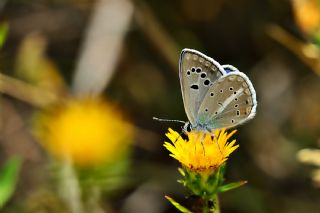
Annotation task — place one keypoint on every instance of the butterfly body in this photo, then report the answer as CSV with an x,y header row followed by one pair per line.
x,y
215,96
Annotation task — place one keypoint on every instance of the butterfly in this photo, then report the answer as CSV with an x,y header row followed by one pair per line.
x,y
214,96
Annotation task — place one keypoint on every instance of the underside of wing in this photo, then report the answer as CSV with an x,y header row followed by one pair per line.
x,y
230,101
197,73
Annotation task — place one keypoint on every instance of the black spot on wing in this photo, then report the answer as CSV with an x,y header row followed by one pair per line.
x,y
195,87
206,82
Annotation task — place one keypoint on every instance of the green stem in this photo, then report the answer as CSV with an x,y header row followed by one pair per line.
x,y
215,208
216,205
206,208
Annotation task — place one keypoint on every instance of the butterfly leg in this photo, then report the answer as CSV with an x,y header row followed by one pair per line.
x,y
202,139
180,136
183,131
195,147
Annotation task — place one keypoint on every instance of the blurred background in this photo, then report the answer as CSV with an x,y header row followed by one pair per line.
x,y
125,52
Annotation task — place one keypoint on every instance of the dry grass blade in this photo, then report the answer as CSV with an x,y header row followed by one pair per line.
x,y
307,52
25,92
102,46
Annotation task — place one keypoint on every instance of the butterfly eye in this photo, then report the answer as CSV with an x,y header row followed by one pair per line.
x,y
188,72
211,94
236,99
193,69
189,128
232,121
231,88
198,70
206,110
238,112
236,105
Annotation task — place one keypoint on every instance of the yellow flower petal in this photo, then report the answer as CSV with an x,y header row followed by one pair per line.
x,y
202,151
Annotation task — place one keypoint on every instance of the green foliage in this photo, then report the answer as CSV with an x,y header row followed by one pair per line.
x,y
3,33
177,205
108,177
8,179
316,38
231,186
205,185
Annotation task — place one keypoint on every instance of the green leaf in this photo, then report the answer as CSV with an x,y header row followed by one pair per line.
x,y
3,33
177,205
231,186
8,179
316,37
181,171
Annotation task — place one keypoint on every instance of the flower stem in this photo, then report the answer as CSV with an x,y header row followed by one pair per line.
x,y
33,95
206,208
69,187
216,205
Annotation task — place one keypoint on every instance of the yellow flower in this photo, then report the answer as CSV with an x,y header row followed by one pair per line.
x,y
307,14
202,151
87,131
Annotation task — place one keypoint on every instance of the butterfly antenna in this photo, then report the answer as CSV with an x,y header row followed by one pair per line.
x,y
167,120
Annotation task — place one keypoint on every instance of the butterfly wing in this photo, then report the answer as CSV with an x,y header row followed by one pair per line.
x,y
197,72
230,101
229,68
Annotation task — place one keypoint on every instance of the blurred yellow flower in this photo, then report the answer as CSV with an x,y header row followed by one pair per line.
x,y
307,14
311,156
87,131
202,152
